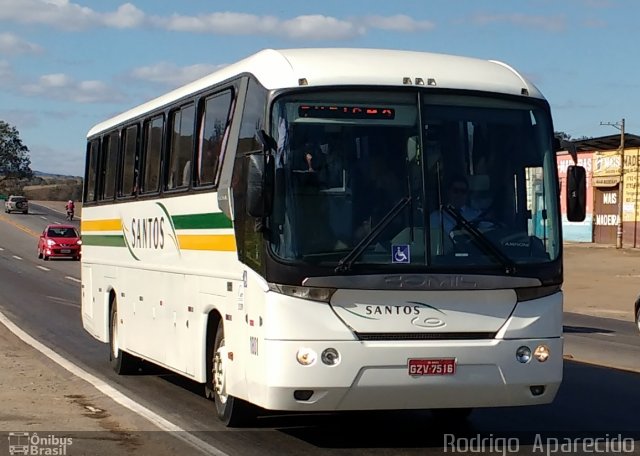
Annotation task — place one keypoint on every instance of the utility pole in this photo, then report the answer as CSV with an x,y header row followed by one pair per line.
x,y
619,126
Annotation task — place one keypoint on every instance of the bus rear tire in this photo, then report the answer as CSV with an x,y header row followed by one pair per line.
x,y
121,362
233,412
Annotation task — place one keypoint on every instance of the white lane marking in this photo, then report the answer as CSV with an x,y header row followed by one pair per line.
x,y
64,302
113,393
72,278
16,257
43,217
43,268
76,306
1,249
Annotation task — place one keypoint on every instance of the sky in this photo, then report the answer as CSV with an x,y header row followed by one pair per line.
x,y
67,65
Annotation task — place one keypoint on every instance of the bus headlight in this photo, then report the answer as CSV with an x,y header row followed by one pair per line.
x,y
311,293
541,353
306,356
523,354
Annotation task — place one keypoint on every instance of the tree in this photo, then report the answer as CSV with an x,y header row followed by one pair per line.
x,y
562,135
14,156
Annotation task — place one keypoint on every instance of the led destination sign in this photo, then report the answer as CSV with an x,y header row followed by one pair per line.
x,y
346,112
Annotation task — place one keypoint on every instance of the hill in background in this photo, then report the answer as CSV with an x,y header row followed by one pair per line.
x,y
44,187
54,176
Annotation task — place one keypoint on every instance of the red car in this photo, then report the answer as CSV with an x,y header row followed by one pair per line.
x,y
59,241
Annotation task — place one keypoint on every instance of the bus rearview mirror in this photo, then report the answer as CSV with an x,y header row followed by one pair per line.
x,y
268,143
576,200
259,189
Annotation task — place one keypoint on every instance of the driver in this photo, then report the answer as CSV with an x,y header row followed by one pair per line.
x,y
457,194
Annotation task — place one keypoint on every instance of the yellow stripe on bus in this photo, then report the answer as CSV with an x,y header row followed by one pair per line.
x,y
101,225
220,242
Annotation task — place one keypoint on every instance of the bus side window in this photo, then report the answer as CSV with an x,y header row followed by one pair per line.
x,y
93,151
109,165
181,147
152,154
129,162
214,128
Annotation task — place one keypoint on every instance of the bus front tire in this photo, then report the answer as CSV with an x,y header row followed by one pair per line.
x,y
121,362
233,412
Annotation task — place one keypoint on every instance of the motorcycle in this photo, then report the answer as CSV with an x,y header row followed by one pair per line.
x,y
69,214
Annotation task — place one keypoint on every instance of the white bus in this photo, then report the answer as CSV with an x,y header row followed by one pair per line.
x,y
333,229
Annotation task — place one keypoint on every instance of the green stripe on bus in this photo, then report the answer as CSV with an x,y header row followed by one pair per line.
x,y
201,221
116,240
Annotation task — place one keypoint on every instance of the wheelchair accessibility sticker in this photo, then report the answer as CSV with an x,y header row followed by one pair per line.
x,y
400,253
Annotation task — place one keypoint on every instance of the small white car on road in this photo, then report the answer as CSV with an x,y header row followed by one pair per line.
x,y
16,204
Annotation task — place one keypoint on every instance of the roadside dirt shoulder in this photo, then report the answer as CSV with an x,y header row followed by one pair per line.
x,y
601,281
41,398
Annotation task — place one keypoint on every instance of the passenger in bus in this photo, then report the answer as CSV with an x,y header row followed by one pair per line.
x,y
456,197
312,158
186,174
308,161
332,167
136,175
208,160
379,190
179,179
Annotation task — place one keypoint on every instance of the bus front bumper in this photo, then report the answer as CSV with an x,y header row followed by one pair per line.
x,y
375,375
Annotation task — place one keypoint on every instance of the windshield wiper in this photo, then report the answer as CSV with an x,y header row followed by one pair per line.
x,y
344,265
481,239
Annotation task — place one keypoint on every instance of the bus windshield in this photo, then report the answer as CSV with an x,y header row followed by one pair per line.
x,y
432,180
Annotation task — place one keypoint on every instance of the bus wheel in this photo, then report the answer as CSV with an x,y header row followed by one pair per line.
x,y
121,362
231,410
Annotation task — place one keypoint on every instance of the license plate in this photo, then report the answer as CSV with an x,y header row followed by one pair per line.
x,y
65,251
432,366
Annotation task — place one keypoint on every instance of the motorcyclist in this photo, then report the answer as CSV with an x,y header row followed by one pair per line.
x,y
70,207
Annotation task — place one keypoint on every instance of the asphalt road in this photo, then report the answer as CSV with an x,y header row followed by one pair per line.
x,y
593,400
